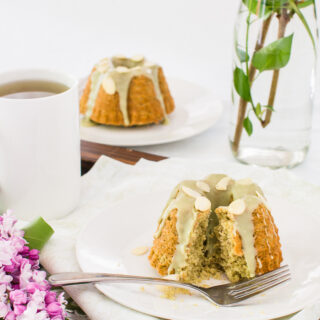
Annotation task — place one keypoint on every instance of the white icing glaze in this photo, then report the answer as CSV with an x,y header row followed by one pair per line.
x,y
245,227
96,80
122,69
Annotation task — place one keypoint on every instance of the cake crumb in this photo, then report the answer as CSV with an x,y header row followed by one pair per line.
x,y
172,292
142,289
139,251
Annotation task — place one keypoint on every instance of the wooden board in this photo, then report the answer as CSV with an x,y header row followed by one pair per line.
x,y
90,153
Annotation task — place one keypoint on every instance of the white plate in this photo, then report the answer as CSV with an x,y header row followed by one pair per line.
x,y
196,111
106,242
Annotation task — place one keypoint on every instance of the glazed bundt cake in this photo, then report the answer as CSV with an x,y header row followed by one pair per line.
x,y
214,226
126,92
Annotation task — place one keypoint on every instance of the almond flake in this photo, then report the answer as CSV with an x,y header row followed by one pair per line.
x,y
109,85
237,207
120,56
203,186
137,58
149,64
122,69
139,251
202,204
222,185
191,193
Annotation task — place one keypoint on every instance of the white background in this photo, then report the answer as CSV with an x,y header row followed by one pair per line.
x,y
190,39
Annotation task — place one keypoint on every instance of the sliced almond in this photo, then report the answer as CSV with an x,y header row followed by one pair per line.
x,y
139,251
103,66
203,186
122,69
120,56
237,207
222,185
202,204
137,58
109,85
245,182
191,193
149,64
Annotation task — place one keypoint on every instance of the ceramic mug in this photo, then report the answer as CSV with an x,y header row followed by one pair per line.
x,y
40,149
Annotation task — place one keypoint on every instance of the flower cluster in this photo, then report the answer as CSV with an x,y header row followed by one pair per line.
x,y
24,291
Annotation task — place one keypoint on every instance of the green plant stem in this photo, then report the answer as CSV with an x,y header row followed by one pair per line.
x,y
247,41
284,18
296,9
251,73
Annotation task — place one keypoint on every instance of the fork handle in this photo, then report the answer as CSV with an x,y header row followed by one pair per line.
x,y
74,278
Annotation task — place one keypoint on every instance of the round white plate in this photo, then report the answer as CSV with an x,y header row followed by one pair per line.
x,y
106,242
196,111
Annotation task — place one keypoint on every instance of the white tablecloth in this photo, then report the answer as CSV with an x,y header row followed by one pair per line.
x,y
109,181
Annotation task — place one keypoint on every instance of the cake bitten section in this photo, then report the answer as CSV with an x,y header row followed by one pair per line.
x,y
230,256
197,268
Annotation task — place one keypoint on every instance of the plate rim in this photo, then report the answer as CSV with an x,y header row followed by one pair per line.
x,y
218,107
289,312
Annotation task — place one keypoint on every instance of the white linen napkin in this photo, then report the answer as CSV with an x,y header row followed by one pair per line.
x,y
108,182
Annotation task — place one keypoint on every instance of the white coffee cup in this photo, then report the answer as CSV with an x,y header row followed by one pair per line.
x,y
40,149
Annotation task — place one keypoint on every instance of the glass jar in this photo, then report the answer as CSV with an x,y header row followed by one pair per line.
x,y
275,50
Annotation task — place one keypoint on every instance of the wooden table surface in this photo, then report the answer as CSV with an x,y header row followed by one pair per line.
x,y
90,153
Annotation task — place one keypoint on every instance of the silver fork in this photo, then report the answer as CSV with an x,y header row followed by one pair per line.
x,y
223,295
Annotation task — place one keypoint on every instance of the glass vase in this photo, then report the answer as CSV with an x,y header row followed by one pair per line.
x,y
275,51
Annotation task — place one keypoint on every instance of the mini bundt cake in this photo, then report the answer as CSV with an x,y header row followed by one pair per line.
x,y
126,92
213,226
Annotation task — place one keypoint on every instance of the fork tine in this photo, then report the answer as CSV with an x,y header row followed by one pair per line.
x,y
245,283
260,289
260,282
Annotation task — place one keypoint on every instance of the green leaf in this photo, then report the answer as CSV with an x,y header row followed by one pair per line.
x,y
38,233
269,107
274,56
247,124
241,84
258,109
305,3
232,96
259,9
242,55
276,5
304,22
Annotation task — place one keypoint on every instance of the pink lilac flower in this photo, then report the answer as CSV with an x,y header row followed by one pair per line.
x,y
4,278
18,297
24,291
4,309
7,251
